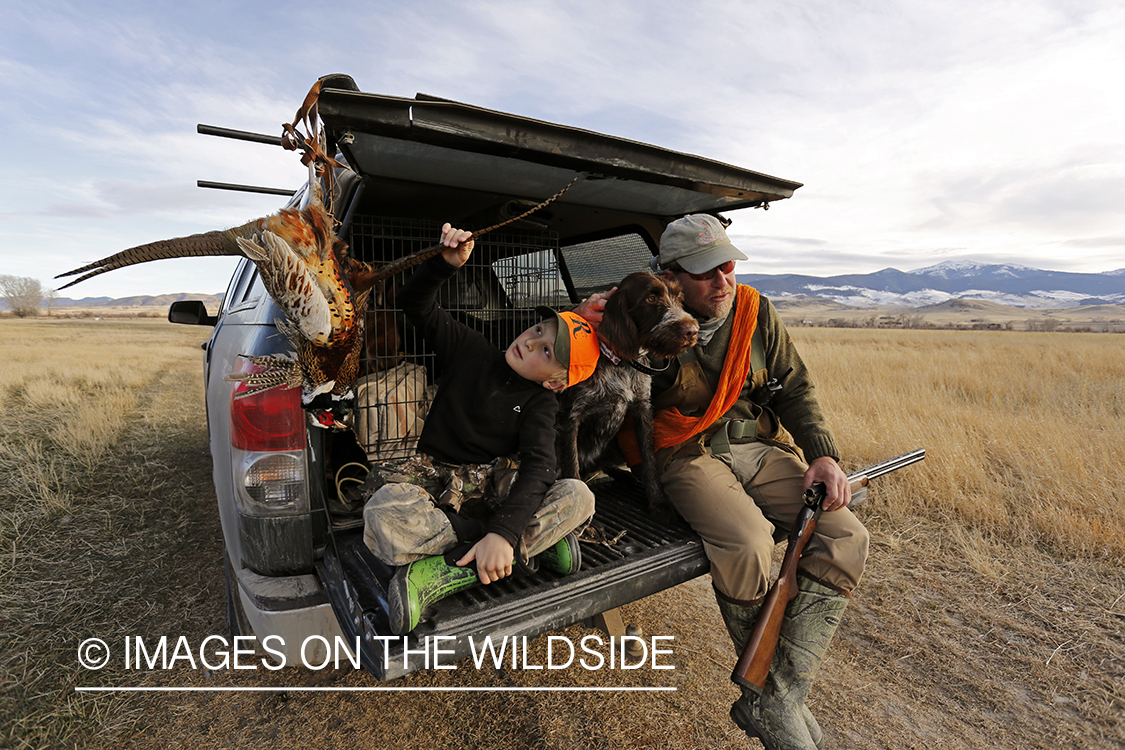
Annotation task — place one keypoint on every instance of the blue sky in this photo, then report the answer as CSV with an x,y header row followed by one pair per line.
x,y
922,131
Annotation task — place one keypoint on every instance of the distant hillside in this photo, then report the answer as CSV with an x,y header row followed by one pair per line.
x,y
954,313
143,303
1011,285
160,300
967,306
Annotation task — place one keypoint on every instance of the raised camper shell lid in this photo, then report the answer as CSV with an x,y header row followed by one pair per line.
x,y
402,144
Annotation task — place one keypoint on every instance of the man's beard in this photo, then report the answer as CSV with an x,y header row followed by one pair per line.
x,y
714,309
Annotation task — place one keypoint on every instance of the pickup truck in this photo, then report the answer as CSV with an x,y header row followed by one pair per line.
x,y
296,565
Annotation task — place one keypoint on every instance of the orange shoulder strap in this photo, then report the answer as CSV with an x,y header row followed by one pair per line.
x,y
670,427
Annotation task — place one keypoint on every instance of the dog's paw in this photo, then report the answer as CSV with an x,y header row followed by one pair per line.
x,y
664,513
660,507
622,475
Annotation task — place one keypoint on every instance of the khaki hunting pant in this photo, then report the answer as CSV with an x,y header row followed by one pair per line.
x,y
738,501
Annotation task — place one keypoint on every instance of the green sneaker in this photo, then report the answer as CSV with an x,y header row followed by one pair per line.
x,y
421,583
564,558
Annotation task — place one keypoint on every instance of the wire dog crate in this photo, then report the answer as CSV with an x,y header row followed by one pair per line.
x,y
510,273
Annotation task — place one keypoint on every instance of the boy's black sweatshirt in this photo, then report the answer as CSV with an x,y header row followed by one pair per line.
x,y
483,409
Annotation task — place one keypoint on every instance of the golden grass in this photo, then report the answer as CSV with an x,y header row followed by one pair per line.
x,y
97,419
1022,430
69,389
989,616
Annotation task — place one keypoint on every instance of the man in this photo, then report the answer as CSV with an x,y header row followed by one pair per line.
x,y
728,446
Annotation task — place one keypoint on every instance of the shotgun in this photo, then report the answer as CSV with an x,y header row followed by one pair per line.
x,y
754,664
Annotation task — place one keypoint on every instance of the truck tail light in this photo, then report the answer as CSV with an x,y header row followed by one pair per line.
x,y
272,420
267,435
276,480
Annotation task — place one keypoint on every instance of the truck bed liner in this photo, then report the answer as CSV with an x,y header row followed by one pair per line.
x,y
667,553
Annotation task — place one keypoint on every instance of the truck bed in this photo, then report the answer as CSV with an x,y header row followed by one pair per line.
x,y
650,557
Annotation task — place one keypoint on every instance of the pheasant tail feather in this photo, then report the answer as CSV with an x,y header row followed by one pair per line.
x,y
193,246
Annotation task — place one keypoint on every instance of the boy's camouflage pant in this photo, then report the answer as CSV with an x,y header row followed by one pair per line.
x,y
403,523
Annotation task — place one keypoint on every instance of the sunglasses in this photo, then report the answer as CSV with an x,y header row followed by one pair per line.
x,y
725,268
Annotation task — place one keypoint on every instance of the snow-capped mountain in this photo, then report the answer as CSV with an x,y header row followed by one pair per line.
x,y
1008,284
965,269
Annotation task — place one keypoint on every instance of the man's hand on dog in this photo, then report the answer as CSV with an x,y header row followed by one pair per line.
x,y
593,308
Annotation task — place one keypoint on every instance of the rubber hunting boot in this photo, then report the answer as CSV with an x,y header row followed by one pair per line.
x,y
564,557
810,623
422,583
746,712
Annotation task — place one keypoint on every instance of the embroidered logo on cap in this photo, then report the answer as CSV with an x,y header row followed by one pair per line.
x,y
705,237
580,326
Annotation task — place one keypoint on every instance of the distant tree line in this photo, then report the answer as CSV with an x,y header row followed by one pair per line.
x,y
1113,325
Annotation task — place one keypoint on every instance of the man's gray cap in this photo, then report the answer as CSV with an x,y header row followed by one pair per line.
x,y
697,243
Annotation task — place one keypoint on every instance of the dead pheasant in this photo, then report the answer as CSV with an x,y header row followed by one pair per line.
x,y
306,268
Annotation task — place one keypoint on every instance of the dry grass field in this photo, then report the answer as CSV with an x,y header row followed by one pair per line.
x,y
991,614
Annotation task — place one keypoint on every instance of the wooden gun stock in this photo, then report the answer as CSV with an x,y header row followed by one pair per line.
x,y
754,664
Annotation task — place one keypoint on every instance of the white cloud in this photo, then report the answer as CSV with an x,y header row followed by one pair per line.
x,y
922,130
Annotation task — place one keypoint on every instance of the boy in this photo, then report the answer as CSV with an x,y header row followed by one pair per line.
x,y
490,404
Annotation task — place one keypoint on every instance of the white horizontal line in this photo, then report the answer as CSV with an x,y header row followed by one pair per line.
x,y
174,689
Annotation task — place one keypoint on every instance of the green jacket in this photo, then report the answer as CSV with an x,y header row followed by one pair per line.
x,y
792,411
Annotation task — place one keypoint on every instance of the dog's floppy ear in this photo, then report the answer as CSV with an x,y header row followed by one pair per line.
x,y
618,329
672,283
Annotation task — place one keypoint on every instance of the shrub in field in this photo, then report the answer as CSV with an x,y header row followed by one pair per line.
x,y
24,295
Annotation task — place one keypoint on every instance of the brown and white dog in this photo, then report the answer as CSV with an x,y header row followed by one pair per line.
x,y
643,319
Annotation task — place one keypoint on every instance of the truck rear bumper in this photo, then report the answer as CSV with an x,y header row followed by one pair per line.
x,y
291,615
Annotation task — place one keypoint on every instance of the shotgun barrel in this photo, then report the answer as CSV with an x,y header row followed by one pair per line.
x,y
886,467
859,479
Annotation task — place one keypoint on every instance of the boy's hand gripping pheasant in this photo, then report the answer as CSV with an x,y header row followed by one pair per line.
x,y
459,244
